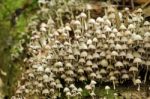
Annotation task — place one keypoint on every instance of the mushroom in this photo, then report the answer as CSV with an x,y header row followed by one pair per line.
x,y
138,82
107,88
59,86
147,69
134,70
113,79
68,94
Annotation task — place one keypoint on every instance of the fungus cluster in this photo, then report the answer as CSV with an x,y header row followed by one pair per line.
x,y
64,55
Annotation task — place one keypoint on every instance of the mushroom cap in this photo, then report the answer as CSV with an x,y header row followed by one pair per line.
x,y
137,60
133,69
107,29
114,53
91,21
104,62
53,84
71,56
40,69
83,15
80,90
18,91
139,10
99,76
84,54
99,20
82,46
137,37
107,87
112,78
89,41
59,64
93,82
147,34
125,76
88,6
77,22
66,89
102,71
129,56
69,72
96,55
72,86
88,87
81,60
92,75
68,93
131,26
59,86
147,45
82,78
119,64
122,27
45,76
118,47
146,23
112,16
114,30
148,62
89,63
45,91
138,81
80,71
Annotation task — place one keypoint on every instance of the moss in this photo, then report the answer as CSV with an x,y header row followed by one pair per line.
x,y
10,40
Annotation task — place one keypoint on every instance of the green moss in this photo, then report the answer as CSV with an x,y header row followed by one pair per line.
x,y
10,40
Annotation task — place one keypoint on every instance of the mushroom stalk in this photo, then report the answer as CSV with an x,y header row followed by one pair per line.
x,y
138,87
114,85
145,78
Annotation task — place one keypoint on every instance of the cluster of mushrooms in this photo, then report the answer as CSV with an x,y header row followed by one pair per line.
x,y
69,57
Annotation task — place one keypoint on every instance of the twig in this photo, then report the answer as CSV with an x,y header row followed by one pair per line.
x,y
145,4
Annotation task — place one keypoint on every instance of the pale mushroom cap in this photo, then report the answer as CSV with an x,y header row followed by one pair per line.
x,y
137,60
88,7
119,64
131,26
104,62
91,21
88,87
122,27
45,91
125,76
80,90
107,88
112,78
66,89
59,86
40,69
100,20
146,23
84,54
138,81
83,15
133,69
68,93
93,82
